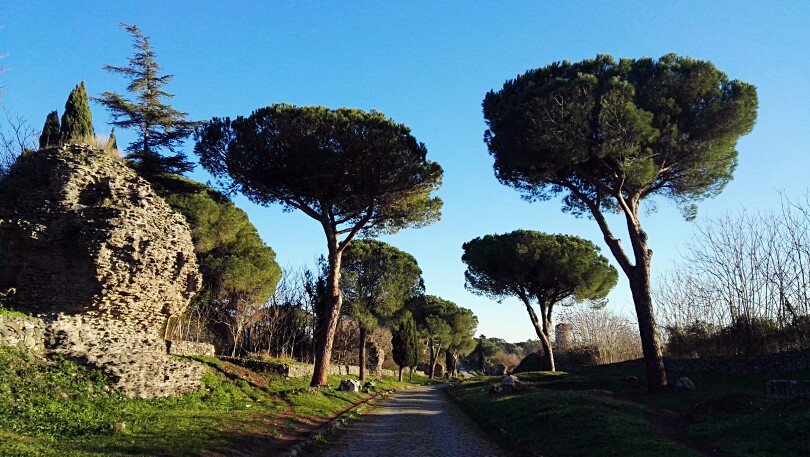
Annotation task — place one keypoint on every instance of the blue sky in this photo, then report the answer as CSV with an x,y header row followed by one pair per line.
x,y
427,65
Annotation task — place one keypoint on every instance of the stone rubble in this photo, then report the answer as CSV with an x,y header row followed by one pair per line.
x,y
24,333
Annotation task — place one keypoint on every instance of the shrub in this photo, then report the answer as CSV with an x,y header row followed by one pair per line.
x,y
600,337
532,362
746,336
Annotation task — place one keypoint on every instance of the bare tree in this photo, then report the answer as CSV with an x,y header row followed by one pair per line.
x,y
2,70
609,337
285,324
16,136
746,275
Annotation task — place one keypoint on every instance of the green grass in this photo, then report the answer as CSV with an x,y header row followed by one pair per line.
x,y
58,408
9,312
594,415
12,313
549,419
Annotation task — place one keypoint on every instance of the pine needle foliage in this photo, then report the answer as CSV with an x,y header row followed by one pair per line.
x,y
159,126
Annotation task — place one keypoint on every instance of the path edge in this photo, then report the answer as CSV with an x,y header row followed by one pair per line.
x,y
331,429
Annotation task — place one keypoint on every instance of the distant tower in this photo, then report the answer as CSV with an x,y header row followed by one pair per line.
x,y
563,335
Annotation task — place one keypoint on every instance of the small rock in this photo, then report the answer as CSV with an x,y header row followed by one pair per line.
x,y
685,384
631,382
349,385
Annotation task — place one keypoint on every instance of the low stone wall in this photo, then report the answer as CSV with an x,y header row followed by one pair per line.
x,y
24,333
776,363
297,371
261,366
189,348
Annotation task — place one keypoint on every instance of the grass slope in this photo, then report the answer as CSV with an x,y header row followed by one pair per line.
x,y
56,408
565,414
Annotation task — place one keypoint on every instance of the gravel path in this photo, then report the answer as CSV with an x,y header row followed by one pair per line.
x,y
419,421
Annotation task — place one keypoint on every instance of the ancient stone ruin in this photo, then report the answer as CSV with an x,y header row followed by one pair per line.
x,y
102,260
563,336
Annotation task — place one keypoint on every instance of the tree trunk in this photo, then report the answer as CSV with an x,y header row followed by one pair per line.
x,y
400,373
327,322
236,332
432,361
542,334
639,277
549,354
653,358
481,355
434,354
362,355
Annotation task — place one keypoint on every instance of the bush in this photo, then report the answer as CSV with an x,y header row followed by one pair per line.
x,y
509,360
699,339
532,362
746,336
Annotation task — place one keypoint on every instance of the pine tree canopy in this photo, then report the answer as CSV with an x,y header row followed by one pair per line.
x,y
159,126
234,261
633,128
376,280
529,264
443,320
344,167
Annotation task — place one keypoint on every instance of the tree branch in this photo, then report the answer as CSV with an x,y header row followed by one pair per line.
x,y
613,243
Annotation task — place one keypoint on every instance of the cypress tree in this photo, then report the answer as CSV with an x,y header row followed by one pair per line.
x,y
112,144
77,120
406,344
411,345
399,347
50,131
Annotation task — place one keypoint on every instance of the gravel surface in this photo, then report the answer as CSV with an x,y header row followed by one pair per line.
x,y
419,421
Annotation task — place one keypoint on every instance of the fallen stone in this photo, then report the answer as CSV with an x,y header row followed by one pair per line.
x,y
685,384
349,385
631,382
